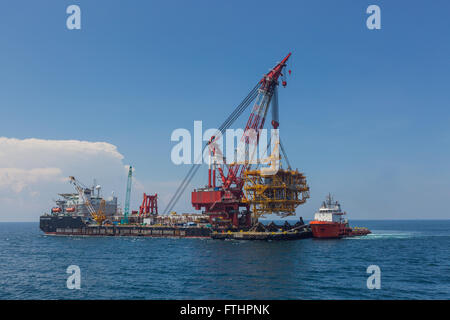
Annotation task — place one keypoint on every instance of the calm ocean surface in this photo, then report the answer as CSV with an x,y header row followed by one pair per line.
x,y
414,258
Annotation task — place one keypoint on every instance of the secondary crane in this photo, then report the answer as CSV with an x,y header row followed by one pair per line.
x,y
98,216
128,194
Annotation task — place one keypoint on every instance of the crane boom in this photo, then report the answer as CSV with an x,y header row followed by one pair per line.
x,y
255,122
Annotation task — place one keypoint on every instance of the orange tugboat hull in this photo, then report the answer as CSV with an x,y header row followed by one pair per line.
x,y
325,229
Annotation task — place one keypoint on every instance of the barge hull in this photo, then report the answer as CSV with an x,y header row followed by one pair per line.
x,y
74,226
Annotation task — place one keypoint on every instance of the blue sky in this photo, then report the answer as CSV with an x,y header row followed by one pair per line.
x,y
365,114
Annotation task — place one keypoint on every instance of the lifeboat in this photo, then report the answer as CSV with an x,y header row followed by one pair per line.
x,y
56,210
70,209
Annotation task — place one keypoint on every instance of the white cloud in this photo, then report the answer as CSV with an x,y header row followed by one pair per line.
x,y
34,171
17,179
16,152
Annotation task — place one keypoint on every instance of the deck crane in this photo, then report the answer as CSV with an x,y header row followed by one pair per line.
x,y
128,194
224,202
99,215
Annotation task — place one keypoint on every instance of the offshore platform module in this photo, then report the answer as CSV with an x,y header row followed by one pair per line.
x,y
237,193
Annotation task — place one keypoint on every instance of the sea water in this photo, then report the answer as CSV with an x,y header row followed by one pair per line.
x,y
413,258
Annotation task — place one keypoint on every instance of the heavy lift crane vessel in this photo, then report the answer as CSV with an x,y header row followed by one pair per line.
x,y
223,202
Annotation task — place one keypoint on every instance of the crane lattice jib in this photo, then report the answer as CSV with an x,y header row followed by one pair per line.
x,y
256,121
128,194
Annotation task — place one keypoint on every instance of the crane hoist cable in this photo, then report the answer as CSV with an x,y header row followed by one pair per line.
x,y
275,122
285,155
225,125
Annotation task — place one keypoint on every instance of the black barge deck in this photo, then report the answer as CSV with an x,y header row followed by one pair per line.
x,y
76,226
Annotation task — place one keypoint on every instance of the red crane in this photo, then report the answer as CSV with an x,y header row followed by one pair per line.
x,y
223,202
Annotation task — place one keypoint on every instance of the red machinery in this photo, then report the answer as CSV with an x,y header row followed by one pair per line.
x,y
222,203
149,205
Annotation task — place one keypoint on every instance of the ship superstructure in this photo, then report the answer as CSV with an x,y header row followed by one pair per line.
x,y
330,211
73,203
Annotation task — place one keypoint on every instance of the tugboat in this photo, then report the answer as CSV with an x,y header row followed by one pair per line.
x,y
329,222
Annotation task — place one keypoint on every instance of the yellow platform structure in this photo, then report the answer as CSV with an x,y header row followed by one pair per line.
x,y
279,193
272,189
